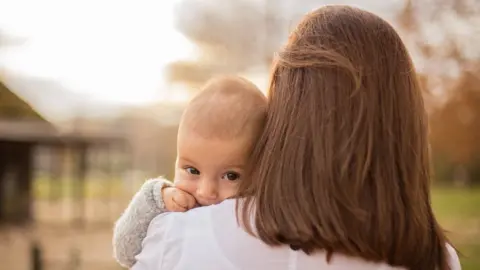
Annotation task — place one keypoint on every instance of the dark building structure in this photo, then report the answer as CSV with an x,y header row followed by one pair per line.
x,y
22,130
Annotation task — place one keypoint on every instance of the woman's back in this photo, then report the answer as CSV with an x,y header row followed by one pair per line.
x,y
210,238
343,163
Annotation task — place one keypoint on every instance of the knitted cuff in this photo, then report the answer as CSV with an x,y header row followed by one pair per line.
x,y
153,191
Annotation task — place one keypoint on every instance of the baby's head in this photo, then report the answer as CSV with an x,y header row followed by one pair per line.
x,y
217,132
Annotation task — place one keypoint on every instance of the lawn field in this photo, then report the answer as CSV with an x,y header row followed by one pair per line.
x,y
458,210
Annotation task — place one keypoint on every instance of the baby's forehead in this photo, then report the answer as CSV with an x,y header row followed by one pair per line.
x,y
210,152
192,140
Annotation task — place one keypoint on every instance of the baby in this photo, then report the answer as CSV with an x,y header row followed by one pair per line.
x,y
216,135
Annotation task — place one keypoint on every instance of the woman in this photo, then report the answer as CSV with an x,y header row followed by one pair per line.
x,y
341,178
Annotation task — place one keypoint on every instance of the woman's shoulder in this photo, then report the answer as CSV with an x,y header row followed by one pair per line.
x,y
170,220
225,208
453,259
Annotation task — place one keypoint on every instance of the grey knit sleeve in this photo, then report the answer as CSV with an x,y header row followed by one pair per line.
x,y
131,228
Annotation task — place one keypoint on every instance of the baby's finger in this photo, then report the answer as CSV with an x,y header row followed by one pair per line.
x,y
191,202
175,207
184,199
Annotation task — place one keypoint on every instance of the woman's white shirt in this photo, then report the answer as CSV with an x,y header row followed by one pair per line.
x,y
210,238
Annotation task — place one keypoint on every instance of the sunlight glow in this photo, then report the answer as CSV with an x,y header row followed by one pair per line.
x,y
111,50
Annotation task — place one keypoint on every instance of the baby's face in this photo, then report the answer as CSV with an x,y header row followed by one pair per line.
x,y
210,169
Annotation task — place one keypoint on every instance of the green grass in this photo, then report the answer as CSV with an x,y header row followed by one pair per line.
x,y
45,188
457,209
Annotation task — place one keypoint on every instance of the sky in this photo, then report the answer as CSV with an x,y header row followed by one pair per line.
x,y
109,50
112,50
116,50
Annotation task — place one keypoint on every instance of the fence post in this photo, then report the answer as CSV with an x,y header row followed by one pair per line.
x,y
75,259
36,256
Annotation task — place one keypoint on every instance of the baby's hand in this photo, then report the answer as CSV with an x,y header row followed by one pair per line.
x,y
177,200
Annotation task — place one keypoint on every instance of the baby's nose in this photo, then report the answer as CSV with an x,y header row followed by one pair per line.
x,y
207,193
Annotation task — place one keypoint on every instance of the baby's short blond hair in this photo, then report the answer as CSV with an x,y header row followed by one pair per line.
x,y
226,107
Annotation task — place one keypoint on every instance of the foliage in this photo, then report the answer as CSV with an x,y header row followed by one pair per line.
x,y
451,77
232,36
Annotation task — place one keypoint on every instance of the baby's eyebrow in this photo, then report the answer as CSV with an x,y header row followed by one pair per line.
x,y
186,160
236,166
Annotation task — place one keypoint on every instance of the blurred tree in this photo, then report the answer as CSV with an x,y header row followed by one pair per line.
x,y
232,36
223,38
455,127
447,34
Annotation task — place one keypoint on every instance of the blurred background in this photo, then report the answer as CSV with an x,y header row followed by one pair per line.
x,y
91,93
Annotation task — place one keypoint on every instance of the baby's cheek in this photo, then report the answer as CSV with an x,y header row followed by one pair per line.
x,y
228,190
186,185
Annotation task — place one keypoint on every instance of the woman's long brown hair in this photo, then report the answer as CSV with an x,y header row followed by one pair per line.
x,y
343,163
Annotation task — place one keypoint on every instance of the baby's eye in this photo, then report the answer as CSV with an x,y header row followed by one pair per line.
x,y
192,170
231,176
